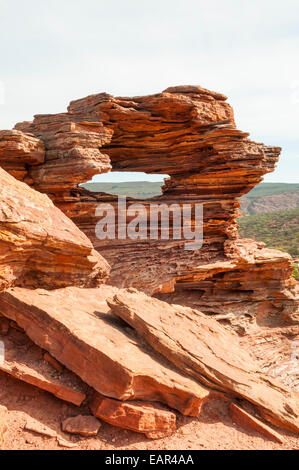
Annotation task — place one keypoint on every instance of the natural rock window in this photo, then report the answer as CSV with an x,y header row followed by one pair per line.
x,y
137,185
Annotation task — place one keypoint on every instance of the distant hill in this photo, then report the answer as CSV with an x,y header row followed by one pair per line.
x,y
269,189
135,189
270,197
278,230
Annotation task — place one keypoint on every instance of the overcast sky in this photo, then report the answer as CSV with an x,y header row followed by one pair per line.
x,y
53,51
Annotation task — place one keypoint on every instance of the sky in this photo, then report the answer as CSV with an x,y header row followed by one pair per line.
x,y
52,52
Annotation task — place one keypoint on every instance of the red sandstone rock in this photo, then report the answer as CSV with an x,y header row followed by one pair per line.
x,y
86,426
3,425
150,419
76,327
18,151
252,281
35,426
73,152
203,348
24,361
247,421
39,245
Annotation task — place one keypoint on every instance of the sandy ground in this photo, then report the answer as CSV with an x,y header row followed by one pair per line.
x,y
214,430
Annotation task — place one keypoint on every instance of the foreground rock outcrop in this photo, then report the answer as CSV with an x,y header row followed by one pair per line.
x,y
25,361
39,245
205,350
90,341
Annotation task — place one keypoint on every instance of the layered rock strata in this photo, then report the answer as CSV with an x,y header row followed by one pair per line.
x,y
39,245
187,132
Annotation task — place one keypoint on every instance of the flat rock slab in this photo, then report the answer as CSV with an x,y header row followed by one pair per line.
x,y
200,346
150,419
247,421
23,360
77,328
86,426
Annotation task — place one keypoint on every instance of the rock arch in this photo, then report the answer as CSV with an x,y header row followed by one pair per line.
x,y
189,133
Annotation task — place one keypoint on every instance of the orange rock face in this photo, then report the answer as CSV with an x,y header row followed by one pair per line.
x,y
152,420
39,245
253,281
52,263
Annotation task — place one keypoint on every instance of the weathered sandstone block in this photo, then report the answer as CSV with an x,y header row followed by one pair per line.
x,y
23,360
146,418
39,245
187,132
18,151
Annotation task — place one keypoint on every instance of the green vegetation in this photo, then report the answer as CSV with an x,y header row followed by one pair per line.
x,y
135,189
295,272
278,230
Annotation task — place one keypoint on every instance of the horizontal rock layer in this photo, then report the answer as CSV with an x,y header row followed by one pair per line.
x,y
18,151
39,245
255,282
